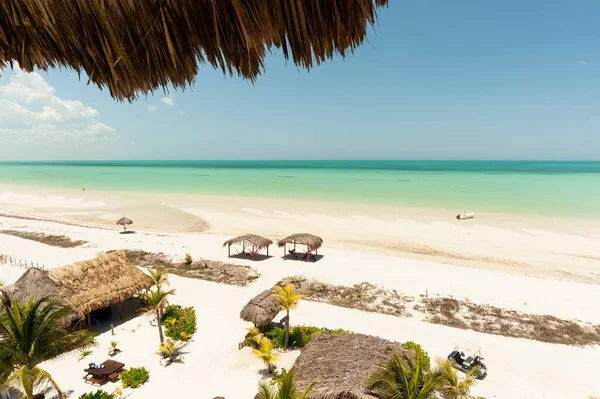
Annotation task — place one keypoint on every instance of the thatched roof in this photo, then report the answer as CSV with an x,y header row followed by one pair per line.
x,y
84,286
133,47
97,283
123,221
341,363
250,240
311,241
34,283
261,309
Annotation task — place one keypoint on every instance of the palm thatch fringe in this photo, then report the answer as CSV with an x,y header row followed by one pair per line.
x,y
34,283
261,310
135,47
311,241
97,283
341,363
250,240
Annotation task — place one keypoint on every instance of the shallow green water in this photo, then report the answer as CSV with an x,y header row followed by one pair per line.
x,y
544,188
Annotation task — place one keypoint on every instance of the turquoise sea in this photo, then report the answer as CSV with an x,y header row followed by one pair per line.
x,y
569,189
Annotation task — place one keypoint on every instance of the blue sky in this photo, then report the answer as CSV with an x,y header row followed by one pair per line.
x,y
436,80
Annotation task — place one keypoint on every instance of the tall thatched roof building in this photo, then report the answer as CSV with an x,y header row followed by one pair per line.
x,y
134,47
341,363
84,286
253,241
261,310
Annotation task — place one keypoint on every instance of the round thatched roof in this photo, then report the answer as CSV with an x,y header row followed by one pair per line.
x,y
250,240
35,284
261,310
124,221
311,241
341,363
134,47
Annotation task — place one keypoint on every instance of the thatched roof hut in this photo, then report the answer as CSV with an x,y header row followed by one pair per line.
x,y
124,222
134,47
85,286
261,310
311,241
341,363
249,240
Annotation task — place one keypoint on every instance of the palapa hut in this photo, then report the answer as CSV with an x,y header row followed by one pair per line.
x,y
249,240
341,363
312,243
135,47
124,222
85,286
261,310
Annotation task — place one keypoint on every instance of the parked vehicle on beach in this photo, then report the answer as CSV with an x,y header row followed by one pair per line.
x,y
467,356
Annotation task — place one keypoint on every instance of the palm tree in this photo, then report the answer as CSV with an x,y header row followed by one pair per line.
x,y
155,301
453,387
159,276
255,335
285,388
33,332
170,349
266,353
287,300
406,377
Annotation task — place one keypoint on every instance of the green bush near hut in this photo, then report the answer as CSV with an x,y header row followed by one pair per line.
x,y
299,335
134,377
99,394
417,348
179,322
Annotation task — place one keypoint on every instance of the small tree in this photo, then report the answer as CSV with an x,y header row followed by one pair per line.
x,y
170,349
407,378
255,336
156,300
287,300
112,349
454,387
285,388
266,353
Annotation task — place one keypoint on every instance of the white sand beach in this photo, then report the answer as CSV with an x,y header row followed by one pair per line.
x,y
528,265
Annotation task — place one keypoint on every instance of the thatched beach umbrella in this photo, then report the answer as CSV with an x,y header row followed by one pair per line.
x,y
249,240
312,243
135,47
124,222
341,363
261,310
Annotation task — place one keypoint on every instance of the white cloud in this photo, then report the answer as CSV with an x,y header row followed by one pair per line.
x,y
168,101
29,111
152,108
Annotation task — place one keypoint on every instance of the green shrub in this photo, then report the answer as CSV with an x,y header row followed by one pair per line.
x,y
417,348
99,394
188,260
299,335
134,377
179,322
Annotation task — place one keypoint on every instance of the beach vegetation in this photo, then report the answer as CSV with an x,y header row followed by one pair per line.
x,y
155,299
179,322
283,387
99,394
254,337
170,350
48,239
406,376
299,336
134,377
83,353
31,333
188,260
159,276
287,300
266,352
418,348
112,348
455,387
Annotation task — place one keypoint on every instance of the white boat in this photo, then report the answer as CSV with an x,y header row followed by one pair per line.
x,y
465,215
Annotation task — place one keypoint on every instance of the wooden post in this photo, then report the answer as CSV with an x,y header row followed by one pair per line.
x,y
253,252
267,251
229,250
89,322
307,254
121,310
284,250
112,329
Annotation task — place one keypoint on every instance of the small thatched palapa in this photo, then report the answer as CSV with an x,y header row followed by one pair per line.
x,y
311,241
340,364
249,240
124,222
134,47
34,284
261,310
